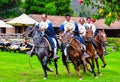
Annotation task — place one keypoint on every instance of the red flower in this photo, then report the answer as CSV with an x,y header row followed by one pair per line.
x,y
80,2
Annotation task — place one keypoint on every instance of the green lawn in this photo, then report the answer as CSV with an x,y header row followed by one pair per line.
x,y
14,67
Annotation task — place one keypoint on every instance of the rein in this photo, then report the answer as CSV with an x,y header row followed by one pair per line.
x,y
98,40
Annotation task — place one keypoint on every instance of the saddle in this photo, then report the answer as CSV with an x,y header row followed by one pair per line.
x,y
49,44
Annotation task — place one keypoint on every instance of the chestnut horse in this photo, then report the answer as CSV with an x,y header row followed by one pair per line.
x,y
74,51
90,50
101,40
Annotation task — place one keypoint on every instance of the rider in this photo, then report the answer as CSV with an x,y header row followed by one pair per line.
x,y
82,32
48,31
69,27
90,25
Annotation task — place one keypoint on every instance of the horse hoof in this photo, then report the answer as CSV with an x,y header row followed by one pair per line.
x,y
51,70
100,74
104,66
96,77
45,78
57,75
80,78
69,75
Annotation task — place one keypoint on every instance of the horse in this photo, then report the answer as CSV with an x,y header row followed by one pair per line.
x,y
90,50
74,51
41,48
101,40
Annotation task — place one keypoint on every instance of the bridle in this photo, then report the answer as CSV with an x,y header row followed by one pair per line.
x,y
100,40
70,41
27,33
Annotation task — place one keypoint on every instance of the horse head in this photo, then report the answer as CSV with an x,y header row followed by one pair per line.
x,y
89,33
29,31
101,37
64,37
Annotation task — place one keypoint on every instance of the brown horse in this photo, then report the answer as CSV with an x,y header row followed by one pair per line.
x,y
74,51
90,50
101,40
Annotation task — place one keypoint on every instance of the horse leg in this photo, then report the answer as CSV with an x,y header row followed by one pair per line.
x,y
56,67
89,69
84,63
44,65
65,63
103,60
97,64
93,66
76,68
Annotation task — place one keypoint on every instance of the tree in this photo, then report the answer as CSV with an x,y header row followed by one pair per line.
x,y
51,7
108,9
10,8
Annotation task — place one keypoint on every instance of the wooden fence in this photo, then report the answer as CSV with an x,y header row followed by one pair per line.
x,y
11,36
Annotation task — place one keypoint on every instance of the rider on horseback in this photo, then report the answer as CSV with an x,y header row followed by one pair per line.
x,y
95,32
48,31
89,25
70,27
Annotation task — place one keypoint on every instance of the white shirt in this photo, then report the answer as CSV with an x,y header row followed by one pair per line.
x,y
91,25
44,24
82,30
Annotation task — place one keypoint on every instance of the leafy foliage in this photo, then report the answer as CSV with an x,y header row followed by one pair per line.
x,y
50,7
10,8
115,41
108,9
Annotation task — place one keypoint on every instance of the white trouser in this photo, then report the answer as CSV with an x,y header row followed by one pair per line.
x,y
55,45
65,51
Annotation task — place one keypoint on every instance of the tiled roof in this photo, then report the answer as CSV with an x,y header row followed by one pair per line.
x,y
57,20
101,25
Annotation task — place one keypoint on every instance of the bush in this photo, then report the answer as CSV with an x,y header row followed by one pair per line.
x,y
115,42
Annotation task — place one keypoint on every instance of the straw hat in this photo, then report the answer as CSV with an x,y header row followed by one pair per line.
x,y
69,26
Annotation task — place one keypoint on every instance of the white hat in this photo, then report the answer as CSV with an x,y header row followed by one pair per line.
x,y
69,26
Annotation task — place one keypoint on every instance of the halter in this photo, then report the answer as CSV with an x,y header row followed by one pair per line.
x,y
98,40
69,43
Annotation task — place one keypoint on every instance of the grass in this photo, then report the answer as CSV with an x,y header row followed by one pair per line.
x,y
14,67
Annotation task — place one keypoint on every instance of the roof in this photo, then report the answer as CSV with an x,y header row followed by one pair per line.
x,y
56,20
101,25
22,20
4,25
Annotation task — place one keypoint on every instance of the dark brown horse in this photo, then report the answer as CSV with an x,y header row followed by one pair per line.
x,y
101,40
74,51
